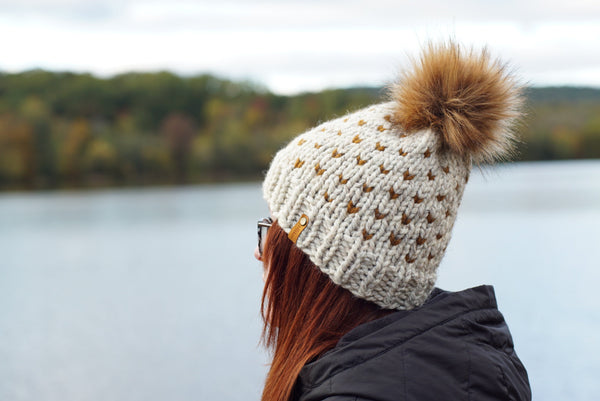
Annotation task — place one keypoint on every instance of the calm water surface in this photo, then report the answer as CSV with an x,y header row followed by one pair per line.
x,y
153,294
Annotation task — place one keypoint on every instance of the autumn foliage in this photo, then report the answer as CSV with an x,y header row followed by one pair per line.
x,y
76,130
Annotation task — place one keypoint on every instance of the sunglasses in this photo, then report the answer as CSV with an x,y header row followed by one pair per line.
x,y
263,227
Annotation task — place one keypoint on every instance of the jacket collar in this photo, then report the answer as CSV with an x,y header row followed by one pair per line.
x,y
376,337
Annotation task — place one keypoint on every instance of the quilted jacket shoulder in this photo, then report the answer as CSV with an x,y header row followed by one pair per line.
x,y
456,346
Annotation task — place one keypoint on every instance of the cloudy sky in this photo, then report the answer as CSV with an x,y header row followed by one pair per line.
x,y
296,45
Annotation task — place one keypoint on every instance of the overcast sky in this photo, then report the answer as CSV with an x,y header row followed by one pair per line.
x,y
294,45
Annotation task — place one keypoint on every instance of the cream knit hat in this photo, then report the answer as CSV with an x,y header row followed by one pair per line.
x,y
371,197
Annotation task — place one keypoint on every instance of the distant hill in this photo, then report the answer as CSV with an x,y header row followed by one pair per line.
x,y
563,94
550,94
78,130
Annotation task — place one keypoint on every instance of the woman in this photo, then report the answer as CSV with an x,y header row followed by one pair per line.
x,y
362,211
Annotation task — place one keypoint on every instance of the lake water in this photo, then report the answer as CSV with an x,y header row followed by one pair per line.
x,y
153,294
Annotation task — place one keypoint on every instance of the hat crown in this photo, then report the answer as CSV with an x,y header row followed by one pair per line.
x,y
381,203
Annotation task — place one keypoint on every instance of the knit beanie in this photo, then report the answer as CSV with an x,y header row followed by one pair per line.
x,y
371,197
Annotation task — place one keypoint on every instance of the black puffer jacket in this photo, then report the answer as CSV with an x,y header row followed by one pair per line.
x,y
456,346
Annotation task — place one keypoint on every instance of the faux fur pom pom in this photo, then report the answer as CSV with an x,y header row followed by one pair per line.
x,y
471,100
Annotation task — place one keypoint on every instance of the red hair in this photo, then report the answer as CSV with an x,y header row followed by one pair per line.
x,y
304,313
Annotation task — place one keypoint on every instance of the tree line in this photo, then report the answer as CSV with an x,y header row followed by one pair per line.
x,y
62,130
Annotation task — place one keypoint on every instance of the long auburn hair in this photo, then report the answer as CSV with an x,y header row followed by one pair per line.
x,y
304,312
